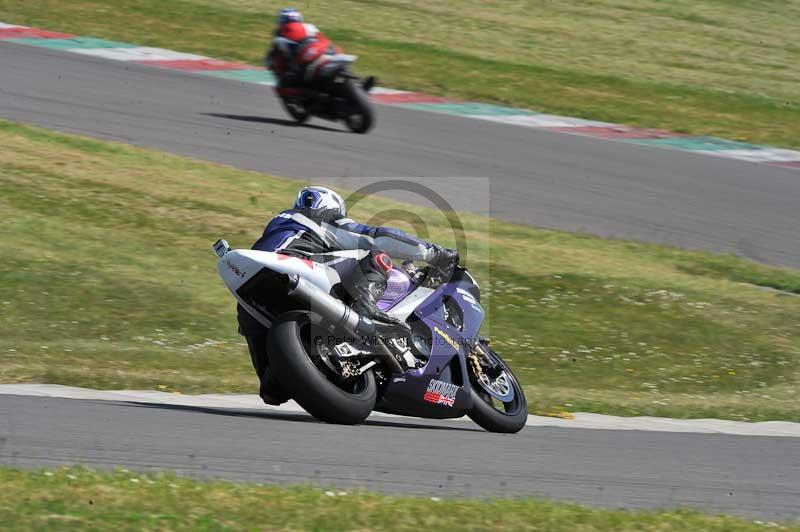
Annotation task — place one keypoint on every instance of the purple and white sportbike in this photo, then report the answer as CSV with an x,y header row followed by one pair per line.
x,y
341,366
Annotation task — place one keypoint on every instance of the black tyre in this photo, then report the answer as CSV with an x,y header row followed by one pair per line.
x,y
296,110
494,411
360,115
295,357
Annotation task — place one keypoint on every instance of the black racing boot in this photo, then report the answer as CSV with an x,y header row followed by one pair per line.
x,y
270,389
367,284
366,295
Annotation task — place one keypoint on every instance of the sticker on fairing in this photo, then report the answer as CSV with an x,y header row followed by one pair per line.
x,y
441,393
468,297
235,269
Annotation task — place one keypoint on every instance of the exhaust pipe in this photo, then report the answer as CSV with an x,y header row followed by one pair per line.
x,y
331,309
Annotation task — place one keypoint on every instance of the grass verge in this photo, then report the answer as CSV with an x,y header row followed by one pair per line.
x,y
83,499
707,67
108,281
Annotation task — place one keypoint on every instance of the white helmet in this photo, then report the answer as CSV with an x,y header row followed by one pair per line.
x,y
320,198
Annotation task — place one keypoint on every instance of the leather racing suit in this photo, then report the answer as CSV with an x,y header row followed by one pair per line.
x,y
295,54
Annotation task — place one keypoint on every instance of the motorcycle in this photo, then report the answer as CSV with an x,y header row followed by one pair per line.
x,y
330,90
340,366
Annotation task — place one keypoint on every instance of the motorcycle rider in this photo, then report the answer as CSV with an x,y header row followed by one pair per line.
x,y
291,40
317,225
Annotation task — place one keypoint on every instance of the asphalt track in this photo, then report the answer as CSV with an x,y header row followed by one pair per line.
x,y
751,476
537,177
519,174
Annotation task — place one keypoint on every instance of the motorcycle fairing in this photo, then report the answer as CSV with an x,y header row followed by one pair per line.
x,y
331,65
251,276
403,308
405,394
240,265
246,274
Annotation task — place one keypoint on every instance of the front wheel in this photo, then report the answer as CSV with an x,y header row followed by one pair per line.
x,y
304,368
499,404
360,116
296,110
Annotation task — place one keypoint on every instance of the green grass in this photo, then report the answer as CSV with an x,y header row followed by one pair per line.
x,y
707,67
83,499
108,281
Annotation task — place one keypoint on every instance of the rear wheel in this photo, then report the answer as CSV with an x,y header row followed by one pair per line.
x,y
499,404
304,367
360,115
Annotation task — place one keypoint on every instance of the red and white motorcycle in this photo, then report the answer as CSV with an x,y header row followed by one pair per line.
x,y
329,89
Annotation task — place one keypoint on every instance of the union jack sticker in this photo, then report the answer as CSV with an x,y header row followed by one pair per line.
x,y
441,393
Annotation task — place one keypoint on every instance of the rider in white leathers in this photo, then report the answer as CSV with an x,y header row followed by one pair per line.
x,y
316,225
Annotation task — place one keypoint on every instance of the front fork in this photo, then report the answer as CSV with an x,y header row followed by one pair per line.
x,y
480,361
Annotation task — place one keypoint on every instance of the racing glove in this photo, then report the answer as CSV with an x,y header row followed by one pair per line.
x,y
441,266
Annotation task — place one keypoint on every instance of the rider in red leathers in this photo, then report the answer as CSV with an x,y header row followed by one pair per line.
x,y
298,50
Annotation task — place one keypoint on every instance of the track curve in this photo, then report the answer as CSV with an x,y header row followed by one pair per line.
x,y
537,177
753,476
